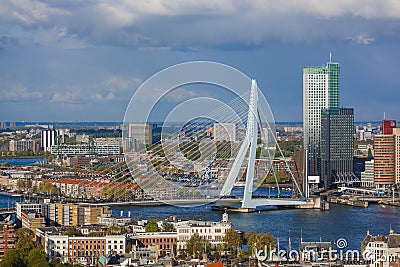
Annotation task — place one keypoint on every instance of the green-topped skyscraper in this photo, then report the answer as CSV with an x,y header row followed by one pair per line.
x,y
321,90
321,94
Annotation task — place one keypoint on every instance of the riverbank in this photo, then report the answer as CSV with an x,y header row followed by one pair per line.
x,y
273,186
340,221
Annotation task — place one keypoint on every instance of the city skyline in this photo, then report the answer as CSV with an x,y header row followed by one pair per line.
x,y
59,63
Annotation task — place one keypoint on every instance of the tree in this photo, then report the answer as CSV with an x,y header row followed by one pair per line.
x,y
260,241
128,248
21,184
197,245
56,262
47,188
167,227
231,241
12,258
25,242
118,192
116,230
73,232
37,258
151,226
370,156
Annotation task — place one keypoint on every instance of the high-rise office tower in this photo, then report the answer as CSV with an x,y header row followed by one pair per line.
x,y
337,146
140,135
320,91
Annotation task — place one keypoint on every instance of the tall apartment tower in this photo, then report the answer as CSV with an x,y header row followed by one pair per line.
x,y
396,133
320,91
48,139
337,146
384,160
387,155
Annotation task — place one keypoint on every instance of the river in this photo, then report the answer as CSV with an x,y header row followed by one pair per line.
x,y
340,221
22,161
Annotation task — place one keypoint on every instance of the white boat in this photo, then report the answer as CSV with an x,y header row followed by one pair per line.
x,y
240,184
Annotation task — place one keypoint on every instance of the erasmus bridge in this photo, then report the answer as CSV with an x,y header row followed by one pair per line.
x,y
156,168
248,146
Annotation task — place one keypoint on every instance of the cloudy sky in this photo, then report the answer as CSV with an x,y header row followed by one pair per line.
x,y
81,60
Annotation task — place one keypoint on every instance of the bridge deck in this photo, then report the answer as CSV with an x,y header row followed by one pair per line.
x,y
221,202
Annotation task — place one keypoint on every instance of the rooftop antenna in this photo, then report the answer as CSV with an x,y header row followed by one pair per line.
x,y
330,57
384,115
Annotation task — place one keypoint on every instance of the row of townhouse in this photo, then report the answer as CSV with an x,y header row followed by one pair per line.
x,y
9,178
89,247
78,188
382,251
63,214
85,249
169,243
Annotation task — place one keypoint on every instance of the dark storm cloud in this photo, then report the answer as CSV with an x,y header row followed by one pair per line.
x,y
204,23
69,59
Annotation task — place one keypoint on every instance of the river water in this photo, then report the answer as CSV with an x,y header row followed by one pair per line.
x,y
22,161
340,221
350,223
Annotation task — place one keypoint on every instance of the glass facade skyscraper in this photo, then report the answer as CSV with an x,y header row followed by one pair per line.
x,y
333,71
337,142
321,105
321,90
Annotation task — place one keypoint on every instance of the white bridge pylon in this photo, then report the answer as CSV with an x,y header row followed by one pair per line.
x,y
249,145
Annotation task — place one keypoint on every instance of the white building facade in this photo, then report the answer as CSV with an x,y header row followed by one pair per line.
x,y
214,232
367,176
320,91
48,139
79,249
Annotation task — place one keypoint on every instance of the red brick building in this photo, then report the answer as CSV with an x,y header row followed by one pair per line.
x,y
7,238
166,242
388,126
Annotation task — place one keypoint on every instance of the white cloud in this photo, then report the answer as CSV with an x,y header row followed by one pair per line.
x,y
114,82
179,94
66,97
98,97
363,39
19,92
110,96
27,12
